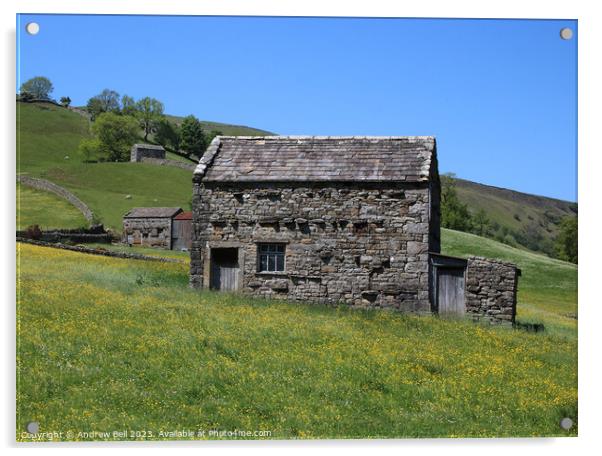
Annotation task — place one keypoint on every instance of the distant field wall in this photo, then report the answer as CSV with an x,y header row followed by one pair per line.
x,y
43,184
168,162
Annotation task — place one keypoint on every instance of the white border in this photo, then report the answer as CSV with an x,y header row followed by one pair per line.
x,y
590,75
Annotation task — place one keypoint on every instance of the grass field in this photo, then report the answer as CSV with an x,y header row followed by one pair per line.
x,y
150,251
547,288
46,210
108,344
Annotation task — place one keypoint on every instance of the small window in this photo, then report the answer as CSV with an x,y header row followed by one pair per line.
x,y
271,257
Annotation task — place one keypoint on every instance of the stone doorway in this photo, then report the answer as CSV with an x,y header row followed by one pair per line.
x,y
450,291
225,269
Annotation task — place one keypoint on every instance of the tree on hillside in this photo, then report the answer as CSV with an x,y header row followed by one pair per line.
x,y
116,135
39,87
167,134
128,105
65,101
566,241
149,111
454,214
106,101
89,148
480,222
192,136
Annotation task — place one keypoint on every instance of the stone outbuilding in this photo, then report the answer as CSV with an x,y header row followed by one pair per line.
x,y
335,220
142,151
163,227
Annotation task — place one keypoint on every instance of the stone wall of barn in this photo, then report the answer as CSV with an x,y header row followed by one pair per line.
x,y
149,232
137,153
491,287
359,244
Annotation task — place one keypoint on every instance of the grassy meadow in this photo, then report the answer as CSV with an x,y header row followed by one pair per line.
x,y
46,210
109,344
149,251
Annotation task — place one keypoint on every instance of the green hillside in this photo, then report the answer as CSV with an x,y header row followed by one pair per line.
x,y
47,142
529,220
46,135
226,129
547,288
108,344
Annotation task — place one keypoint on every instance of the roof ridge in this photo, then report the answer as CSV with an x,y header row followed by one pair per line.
x,y
277,137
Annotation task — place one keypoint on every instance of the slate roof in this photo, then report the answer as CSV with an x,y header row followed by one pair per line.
x,y
317,158
153,212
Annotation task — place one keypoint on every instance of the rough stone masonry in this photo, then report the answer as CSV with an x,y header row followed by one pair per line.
x,y
333,220
491,287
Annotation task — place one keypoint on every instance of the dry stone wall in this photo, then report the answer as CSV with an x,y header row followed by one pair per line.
x,y
359,244
491,287
167,162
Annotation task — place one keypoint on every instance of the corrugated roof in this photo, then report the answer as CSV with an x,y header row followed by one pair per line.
x,y
186,215
318,158
152,212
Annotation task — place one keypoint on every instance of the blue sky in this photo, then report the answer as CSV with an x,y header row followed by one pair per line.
x,y
499,95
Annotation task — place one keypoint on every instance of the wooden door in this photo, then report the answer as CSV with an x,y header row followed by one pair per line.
x,y
178,234
450,291
224,269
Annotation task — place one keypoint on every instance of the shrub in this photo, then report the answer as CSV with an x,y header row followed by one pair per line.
x,y
33,232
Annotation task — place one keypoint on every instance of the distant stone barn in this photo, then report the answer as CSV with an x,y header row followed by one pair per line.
x,y
162,227
335,220
141,151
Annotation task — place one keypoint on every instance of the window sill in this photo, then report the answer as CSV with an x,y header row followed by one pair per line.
x,y
272,273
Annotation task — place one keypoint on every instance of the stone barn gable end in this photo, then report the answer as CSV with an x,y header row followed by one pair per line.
x,y
333,220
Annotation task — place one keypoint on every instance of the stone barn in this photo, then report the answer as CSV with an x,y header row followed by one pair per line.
x,y
150,226
141,151
335,220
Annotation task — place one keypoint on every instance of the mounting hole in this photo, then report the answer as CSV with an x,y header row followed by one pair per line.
x,y
566,423
32,28
566,33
